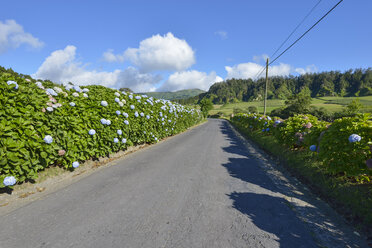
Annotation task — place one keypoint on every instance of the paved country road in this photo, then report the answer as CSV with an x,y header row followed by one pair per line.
x,y
206,187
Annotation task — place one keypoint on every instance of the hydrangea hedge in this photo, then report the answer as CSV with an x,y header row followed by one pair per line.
x,y
344,146
44,124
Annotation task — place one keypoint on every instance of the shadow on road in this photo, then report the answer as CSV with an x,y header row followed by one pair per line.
x,y
267,211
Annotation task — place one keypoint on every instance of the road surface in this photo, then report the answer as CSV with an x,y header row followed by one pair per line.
x,y
206,187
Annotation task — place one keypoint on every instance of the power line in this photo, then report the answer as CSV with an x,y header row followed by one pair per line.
x,y
300,36
289,36
306,32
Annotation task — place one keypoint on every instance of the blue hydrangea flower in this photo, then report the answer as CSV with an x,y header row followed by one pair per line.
x,y
50,109
124,140
75,164
118,112
156,139
103,121
160,114
108,122
125,115
144,132
116,140
136,114
126,122
313,148
131,96
263,130
104,103
277,122
142,114
132,107
92,132
9,181
354,138
138,97
72,104
119,132
148,117
48,139
117,99
77,88
267,129
85,90
13,82
51,92
117,94
269,118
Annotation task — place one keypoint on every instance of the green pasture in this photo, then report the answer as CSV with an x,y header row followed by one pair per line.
x,y
332,104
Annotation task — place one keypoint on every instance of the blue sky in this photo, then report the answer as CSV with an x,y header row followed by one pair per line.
x,y
172,45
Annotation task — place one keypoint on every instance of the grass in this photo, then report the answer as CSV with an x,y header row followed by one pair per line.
x,y
352,200
332,104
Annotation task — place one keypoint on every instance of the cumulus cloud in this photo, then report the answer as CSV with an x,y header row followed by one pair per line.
x,y
109,56
308,69
260,58
250,70
61,66
12,35
161,53
190,80
222,34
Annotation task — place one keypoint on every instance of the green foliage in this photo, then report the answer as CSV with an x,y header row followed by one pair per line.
x,y
126,90
335,151
24,122
299,130
333,83
205,105
252,109
342,156
353,107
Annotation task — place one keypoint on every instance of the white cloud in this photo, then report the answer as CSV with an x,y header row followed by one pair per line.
x,y
222,34
12,35
308,69
62,67
250,70
109,56
190,80
260,58
161,53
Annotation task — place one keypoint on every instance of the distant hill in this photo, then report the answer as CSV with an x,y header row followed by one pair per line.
x,y
181,94
351,83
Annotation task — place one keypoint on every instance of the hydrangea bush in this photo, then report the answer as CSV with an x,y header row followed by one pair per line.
x,y
78,127
344,146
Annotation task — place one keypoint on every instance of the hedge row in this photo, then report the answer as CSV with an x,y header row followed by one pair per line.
x,y
44,124
344,146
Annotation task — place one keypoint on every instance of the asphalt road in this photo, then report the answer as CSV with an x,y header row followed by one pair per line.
x,y
204,188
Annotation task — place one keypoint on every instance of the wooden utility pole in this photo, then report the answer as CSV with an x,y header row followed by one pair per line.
x,y
267,72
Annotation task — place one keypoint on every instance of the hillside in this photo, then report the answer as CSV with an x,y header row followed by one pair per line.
x,y
350,83
181,94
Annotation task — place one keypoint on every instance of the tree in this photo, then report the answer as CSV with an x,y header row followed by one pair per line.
x,y
126,90
353,107
206,105
299,103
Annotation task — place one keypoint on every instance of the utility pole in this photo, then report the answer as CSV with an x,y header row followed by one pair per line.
x,y
267,72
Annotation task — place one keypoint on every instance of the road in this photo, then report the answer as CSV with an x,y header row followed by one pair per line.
x,y
206,187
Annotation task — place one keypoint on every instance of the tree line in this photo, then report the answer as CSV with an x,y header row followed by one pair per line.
x,y
357,82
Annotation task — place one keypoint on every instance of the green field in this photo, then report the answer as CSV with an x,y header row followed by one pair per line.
x,y
332,104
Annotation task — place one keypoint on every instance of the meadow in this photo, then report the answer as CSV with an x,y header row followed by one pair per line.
x,y
332,104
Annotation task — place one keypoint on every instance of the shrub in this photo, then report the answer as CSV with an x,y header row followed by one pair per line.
x,y
340,155
39,125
